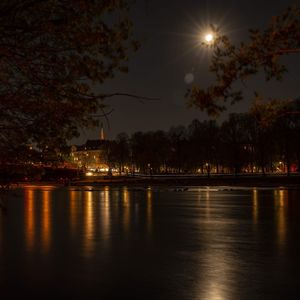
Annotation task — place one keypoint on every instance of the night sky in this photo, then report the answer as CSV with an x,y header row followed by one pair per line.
x,y
169,32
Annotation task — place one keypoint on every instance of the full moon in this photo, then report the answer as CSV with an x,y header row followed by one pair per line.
x,y
209,38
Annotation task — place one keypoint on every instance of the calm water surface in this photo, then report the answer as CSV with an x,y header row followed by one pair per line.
x,y
150,243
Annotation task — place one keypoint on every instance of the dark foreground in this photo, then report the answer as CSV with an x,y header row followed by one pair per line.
x,y
150,243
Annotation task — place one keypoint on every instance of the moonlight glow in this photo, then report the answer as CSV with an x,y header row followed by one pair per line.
x,y
209,38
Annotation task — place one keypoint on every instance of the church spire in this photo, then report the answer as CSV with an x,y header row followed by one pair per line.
x,y
102,137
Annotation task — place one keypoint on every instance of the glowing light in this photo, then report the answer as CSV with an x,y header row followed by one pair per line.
x,y
89,216
281,204
29,218
105,214
126,210
149,211
209,38
89,174
255,205
73,210
46,221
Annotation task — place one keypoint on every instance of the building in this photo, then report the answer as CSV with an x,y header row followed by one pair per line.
x,y
92,155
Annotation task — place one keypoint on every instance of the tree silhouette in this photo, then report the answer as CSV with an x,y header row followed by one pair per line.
x,y
52,55
233,64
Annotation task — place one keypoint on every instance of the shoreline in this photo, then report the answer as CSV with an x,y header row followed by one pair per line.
x,y
271,181
238,181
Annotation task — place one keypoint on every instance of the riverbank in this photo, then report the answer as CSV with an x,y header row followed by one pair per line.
x,y
228,180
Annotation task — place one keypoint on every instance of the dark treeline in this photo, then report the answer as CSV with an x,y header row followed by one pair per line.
x,y
238,145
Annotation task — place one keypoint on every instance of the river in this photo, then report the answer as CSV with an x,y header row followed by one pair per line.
x,y
150,243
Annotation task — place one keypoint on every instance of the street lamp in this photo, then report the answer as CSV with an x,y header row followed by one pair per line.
x,y
207,169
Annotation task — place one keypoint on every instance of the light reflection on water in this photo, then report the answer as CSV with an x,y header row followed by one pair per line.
x,y
106,214
281,204
37,218
185,245
149,212
46,220
30,226
126,211
74,199
255,205
89,223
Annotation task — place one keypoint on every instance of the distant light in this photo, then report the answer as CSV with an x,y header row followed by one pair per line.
x,y
89,174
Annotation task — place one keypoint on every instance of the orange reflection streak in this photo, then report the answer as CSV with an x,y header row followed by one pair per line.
x,y
89,222
46,220
281,198
149,211
106,214
106,196
126,207
255,205
29,233
73,211
39,187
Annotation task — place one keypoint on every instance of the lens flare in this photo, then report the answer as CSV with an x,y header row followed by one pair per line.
x,y
189,78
